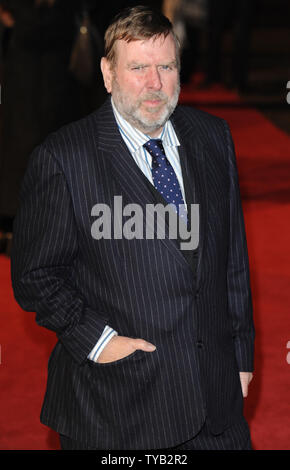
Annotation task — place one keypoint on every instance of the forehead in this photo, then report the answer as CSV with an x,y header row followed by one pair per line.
x,y
158,48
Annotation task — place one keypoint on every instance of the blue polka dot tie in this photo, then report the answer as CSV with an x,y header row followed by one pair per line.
x,y
164,177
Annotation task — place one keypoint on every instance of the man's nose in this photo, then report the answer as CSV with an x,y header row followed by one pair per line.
x,y
153,79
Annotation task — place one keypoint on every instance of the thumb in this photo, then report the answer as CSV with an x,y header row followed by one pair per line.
x,y
144,345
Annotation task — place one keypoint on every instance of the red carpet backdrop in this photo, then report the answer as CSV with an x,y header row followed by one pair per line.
x,y
263,155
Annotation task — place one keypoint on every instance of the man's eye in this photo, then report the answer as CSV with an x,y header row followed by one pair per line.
x,y
138,67
166,67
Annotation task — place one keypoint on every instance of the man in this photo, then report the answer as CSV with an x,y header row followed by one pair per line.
x,y
151,337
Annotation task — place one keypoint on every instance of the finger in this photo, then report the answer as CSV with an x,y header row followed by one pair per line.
x,y
245,384
144,345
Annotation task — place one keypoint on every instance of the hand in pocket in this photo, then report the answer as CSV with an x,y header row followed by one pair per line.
x,y
122,346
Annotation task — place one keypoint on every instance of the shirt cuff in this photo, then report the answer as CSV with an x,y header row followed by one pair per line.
x,y
107,335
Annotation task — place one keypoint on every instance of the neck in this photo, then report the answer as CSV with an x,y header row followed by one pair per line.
x,y
155,134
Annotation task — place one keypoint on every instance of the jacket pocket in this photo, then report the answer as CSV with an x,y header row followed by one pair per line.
x,y
134,355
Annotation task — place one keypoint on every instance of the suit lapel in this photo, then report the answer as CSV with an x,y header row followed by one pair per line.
x,y
193,164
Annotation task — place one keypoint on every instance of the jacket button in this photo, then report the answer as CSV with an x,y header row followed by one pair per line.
x,y
200,344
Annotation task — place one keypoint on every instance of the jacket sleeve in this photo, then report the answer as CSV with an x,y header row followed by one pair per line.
x,y
238,278
44,249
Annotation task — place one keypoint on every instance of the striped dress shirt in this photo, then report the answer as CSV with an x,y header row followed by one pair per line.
x,y
135,139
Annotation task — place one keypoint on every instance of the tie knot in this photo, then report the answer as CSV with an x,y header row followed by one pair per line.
x,y
155,147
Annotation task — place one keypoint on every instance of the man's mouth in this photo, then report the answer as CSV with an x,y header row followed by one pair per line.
x,y
155,102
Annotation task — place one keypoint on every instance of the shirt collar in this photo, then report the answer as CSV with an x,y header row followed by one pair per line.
x,y
136,139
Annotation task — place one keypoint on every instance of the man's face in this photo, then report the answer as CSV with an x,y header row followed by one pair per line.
x,y
144,82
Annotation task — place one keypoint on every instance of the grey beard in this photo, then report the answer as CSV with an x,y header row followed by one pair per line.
x,y
133,114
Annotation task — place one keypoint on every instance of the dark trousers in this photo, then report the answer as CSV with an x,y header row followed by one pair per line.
x,y
236,437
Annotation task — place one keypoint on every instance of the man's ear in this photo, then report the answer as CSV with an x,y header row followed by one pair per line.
x,y
107,73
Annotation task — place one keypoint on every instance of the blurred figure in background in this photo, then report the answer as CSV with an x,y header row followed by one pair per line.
x,y
190,20
42,88
222,15
195,20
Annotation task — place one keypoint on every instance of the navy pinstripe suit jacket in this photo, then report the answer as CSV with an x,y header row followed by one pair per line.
x,y
196,310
